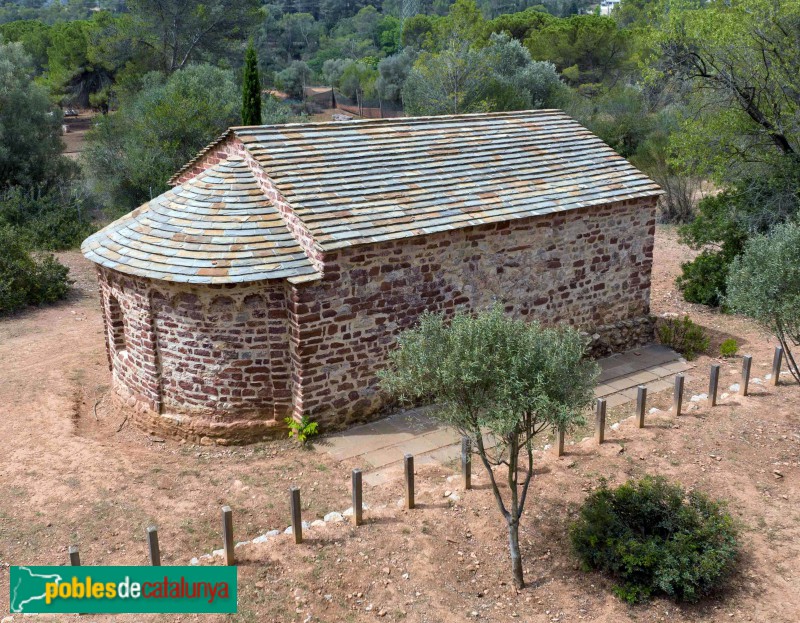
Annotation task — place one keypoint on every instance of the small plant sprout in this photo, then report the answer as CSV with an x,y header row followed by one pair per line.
x,y
729,348
302,430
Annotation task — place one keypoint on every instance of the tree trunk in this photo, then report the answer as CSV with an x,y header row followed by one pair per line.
x,y
516,557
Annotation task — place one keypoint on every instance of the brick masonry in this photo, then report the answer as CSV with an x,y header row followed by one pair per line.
x,y
226,364
204,363
588,268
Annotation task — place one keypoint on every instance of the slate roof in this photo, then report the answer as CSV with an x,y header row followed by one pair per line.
x,y
359,182
216,228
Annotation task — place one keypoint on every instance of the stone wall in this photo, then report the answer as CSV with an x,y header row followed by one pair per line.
x,y
201,362
620,336
227,363
589,268
130,340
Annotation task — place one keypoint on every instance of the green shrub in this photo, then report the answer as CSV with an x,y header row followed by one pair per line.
x,y
655,538
57,219
729,348
302,430
28,278
703,280
686,337
719,231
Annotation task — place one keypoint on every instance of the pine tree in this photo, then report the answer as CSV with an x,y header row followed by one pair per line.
x,y
251,89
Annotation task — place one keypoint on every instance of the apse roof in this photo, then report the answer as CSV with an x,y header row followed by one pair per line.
x,y
216,228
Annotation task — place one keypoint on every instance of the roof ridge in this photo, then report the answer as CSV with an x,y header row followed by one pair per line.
x,y
236,129
173,181
421,120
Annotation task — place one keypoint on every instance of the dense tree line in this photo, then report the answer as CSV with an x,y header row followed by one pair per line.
x,y
701,95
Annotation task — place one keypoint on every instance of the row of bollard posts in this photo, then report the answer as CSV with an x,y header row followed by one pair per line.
x,y
154,552
677,396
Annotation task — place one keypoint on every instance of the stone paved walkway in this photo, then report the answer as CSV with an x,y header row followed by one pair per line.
x,y
380,446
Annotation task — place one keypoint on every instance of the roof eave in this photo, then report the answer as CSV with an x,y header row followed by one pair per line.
x,y
328,247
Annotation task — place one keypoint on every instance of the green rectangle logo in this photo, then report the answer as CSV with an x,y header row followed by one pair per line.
x,y
106,590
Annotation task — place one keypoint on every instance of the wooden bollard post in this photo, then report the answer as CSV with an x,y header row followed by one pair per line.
x,y
600,420
297,516
152,546
358,506
713,385
641,405
777,361
677,396
747,362
560,441
227,535
74,557
466,462
408,460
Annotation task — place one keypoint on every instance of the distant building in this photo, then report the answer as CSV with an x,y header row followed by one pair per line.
x,y
271,281
606,6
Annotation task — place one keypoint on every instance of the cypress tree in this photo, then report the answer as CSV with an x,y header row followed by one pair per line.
x,y
251,89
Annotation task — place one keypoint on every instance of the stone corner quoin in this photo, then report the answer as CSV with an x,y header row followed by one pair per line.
x,y
227,312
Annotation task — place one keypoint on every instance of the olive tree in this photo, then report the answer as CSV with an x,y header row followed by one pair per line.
x,y
764,283
462,79
30,132
293,79
499,382
131,154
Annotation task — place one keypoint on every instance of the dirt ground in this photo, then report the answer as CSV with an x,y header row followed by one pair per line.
x,y
69,477
75,137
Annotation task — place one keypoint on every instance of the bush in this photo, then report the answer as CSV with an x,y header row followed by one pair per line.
x,y
764,283
159,127
57,219
703,280
729,348
719,231
27,278
655,538
686,337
